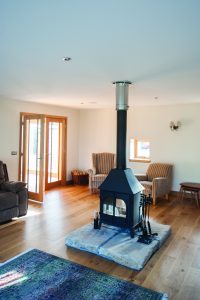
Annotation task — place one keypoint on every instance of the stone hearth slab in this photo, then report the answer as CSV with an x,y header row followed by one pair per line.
x,y
116,244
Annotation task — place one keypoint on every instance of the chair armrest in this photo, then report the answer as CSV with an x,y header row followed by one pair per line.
x,y
160,186
141,177
13,186
91,172
23,202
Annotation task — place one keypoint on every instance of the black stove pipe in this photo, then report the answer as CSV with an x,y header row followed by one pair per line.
x,y
121,139
121,107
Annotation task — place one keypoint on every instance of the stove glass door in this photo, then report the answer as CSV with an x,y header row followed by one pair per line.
x,y
108,206
120,208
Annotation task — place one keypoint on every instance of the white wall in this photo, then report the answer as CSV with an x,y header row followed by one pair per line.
x,y
181,148
97,133
9,131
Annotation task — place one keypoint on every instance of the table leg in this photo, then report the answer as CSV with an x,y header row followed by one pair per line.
x,y
180,194
198,201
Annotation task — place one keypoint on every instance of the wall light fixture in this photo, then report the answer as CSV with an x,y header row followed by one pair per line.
x,y
174,125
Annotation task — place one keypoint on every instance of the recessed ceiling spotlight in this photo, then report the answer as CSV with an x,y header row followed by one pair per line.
x,y
156,98
81,102
65,58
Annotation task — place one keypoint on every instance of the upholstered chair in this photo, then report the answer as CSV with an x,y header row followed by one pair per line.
x,y
157,180
102,164
13,196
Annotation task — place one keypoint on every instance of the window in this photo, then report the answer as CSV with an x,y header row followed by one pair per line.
x,y
139,150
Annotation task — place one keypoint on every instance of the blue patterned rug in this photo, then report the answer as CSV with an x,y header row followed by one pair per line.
x,y
39,275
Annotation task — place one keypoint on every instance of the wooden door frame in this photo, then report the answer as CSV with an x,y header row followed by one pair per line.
x,y
43,129
62,181
22,157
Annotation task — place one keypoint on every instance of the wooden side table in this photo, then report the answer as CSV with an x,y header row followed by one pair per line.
x,y
191,187
80,177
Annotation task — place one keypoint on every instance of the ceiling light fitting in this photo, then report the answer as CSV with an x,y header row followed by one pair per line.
x,y
65,58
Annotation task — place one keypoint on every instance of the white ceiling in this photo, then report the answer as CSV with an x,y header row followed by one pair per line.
x,y
154,43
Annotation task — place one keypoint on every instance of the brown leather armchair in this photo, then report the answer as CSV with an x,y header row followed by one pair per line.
x,y
157,180
13,196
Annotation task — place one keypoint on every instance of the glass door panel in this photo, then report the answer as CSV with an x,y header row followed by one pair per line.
x,y
108,206
32,155
32,171
53,156
55,152
120,209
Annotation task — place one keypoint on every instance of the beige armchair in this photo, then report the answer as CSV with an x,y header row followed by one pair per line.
x,y
102,164
157,180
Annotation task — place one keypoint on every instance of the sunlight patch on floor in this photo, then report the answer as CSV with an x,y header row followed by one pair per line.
x,y
11,278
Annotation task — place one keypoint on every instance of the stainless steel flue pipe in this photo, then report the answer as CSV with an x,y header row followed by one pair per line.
x,y
121,107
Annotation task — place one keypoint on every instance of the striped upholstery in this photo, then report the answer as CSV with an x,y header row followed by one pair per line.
x,y
157,181
158,170
102,164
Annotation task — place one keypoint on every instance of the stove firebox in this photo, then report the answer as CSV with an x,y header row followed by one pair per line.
x,y
120,200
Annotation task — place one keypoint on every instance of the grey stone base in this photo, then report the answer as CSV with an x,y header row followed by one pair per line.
x,y
116,244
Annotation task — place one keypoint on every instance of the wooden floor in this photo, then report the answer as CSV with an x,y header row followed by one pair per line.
x,y
174,269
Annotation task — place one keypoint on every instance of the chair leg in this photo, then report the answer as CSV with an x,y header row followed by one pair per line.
x,y
154,200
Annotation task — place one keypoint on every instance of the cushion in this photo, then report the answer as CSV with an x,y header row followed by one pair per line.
x,y
99,177
8,200
147,187
13,186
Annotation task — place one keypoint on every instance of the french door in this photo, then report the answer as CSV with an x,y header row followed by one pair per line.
x,y
55,152
32,154
42,162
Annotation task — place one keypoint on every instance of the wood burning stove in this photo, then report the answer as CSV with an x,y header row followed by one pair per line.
x,y
120,192
120,200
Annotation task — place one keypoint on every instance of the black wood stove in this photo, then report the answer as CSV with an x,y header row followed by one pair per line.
x,y
120,193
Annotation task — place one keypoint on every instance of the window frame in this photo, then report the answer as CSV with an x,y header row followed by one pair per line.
x,y
136,157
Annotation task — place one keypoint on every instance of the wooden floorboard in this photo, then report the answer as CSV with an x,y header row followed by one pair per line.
x,y
174,269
